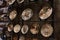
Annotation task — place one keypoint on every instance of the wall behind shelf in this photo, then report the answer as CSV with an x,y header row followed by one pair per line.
x,y
57,19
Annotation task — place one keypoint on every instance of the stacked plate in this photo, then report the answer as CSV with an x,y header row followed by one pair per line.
x,y
17,9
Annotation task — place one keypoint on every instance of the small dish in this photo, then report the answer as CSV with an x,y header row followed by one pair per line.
x,y
46,30
27,14
35,28
20,1
24,29
45,12
10,27
10,2
12,14
17,28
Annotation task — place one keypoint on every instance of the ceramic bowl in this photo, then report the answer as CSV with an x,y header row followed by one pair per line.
x,y
24,29
27,14
35,28
45,12
12,14
17,28
10,27
46,30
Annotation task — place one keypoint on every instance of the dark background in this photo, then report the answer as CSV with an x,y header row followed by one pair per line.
x,y
55,21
